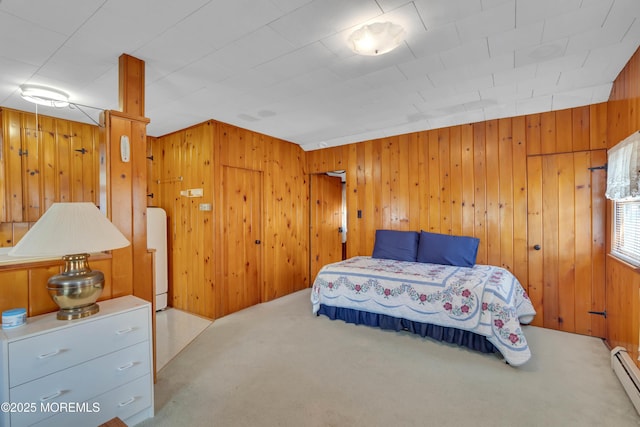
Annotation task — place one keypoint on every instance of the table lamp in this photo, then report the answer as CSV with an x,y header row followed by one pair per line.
x,y
73,231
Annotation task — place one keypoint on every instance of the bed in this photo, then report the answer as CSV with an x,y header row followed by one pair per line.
x,y
481,307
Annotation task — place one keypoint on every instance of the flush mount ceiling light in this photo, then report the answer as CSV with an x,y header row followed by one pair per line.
x,y
376,39
44,95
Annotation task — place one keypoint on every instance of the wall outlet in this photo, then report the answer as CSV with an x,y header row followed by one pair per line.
x,y
205,207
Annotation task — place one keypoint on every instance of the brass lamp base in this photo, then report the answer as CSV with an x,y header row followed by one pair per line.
x,y
77,289
77,312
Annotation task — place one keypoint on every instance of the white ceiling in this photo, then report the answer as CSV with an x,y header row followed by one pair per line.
x,y
282,67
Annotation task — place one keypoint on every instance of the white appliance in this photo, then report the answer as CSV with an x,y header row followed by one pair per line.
x,y
157,239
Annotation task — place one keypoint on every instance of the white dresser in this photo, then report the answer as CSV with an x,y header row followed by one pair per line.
x,y
79,372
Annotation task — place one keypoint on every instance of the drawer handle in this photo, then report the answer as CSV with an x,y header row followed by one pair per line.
x,y
51,353
127,402
124,331
51,396
126,366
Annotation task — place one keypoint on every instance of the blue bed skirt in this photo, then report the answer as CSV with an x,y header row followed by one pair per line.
x,y
383,321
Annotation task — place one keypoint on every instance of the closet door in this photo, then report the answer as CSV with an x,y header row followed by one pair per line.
x,y
242,207
566,238
326,221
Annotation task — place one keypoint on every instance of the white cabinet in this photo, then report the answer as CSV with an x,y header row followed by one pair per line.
x,y
79,372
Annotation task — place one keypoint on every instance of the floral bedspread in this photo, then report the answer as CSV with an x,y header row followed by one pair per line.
x,y
484,299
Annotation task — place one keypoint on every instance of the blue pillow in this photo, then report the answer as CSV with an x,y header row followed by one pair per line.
x,y
446,249
398,245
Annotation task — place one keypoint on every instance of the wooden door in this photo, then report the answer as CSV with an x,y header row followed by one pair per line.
x,y
242,207
566,238
326,221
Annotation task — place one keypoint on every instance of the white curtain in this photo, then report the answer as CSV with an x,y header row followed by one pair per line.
x,y
623,170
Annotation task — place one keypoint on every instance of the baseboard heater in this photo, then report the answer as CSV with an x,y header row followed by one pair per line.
x,y
628,374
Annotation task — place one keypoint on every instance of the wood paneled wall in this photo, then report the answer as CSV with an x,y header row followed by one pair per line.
x,y
468,179
195,158
25,285
127,204
43,160
623,280
62,166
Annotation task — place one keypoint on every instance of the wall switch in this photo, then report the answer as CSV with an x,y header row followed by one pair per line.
x,y
205,206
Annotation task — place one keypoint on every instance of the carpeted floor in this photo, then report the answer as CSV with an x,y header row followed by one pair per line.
x,y
276,364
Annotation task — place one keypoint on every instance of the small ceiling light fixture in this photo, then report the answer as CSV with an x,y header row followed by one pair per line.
x,y
376,39
44,95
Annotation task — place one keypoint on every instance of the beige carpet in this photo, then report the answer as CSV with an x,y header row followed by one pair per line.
x,y
276,364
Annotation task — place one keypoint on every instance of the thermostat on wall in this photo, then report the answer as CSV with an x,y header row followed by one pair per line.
x,y
125,150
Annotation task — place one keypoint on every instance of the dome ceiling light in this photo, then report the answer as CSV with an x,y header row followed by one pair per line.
x,y
44,95
376,39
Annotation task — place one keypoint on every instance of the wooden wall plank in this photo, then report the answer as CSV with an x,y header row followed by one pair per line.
x,y
434,205
444,165
493,193
598,126
14,289
374,177
386,175
550,240
455,180
581,128
505,201
480,180
402,200
598,243
355,233
6,234
12,145
53,174
413,185
536,279
65,165
32,183
520,185
423,180
548,139
533,134
372,197
582,247
467,179
564,131
566,242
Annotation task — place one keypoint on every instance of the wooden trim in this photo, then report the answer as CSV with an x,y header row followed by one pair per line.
x,y
131,85
47,262
132,117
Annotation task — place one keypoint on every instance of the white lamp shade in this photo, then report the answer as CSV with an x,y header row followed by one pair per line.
x,y
70,228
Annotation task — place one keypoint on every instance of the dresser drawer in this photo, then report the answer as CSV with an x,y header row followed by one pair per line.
x,y
40,355
122,402
80,383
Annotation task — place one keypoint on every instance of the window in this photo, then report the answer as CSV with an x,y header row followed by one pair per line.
x,y
626,231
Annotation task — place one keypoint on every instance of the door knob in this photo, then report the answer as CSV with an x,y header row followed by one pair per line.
x,y
537,247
